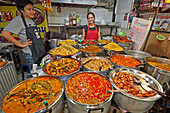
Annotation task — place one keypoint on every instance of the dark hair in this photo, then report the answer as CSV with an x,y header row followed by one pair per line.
x,y
89,14
22,3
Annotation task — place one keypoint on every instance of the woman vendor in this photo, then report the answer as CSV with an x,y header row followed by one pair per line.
x,y
91,31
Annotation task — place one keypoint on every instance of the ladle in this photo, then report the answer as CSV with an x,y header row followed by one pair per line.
x,y
138,81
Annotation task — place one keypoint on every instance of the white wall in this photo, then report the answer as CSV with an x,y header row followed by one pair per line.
x,y
58,18
123,7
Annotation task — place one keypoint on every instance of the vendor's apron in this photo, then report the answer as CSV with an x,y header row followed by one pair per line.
x,y
37,47
91,34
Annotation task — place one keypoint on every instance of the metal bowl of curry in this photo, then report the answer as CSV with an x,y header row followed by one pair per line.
x,y
28,96
125,61
63,50
91,50
62,68
158,67
135,98
86,92
97,64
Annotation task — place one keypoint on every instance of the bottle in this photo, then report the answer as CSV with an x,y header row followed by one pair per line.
x,y
70,20
0,16
78,19
74,19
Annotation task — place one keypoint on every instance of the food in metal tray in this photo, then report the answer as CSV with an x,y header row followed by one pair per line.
x,y
103,41
67,42
62,67
1,62
125,80
126,61
95,64
88,88
91,48
121,39
113,46
64,50
28,97
164,66
88,42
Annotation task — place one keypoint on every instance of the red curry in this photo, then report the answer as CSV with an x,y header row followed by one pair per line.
x,y
125,61
88,88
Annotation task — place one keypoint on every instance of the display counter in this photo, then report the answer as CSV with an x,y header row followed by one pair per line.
x,y
8,78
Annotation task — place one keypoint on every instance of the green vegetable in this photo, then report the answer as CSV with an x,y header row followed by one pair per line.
x,y
56,93
34,101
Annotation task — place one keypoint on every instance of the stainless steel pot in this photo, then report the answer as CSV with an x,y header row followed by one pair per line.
x,y
119,66
102,58
132,103
113,52
159,74
64,78
88,54
52,43
126,45
141,55
76,107
55,56
56,105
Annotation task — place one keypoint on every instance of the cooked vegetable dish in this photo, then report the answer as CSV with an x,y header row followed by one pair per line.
x,y
121,39
103,41
88,42
91,48
163,66
28,97
67,42
88,88
62,67
125,61
64,50
95,64
126,81
113,46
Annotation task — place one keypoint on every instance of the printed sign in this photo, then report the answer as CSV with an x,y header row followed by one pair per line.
x,y
161,21
10,12
138,31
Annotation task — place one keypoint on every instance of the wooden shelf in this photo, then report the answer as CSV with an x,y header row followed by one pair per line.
x,y
161,31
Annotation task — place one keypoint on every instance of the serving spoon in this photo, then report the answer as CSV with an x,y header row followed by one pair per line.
x,y
138,81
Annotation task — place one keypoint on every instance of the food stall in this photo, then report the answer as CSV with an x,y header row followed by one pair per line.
x,y
92,76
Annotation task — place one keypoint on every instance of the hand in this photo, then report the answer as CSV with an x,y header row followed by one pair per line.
x,y
27,43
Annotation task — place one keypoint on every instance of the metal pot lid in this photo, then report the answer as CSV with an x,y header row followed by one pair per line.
x,y
32,92
165,62
142,75
90,86
137,54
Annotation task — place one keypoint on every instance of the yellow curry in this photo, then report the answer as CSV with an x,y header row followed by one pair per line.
x,y
164,66
28,97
